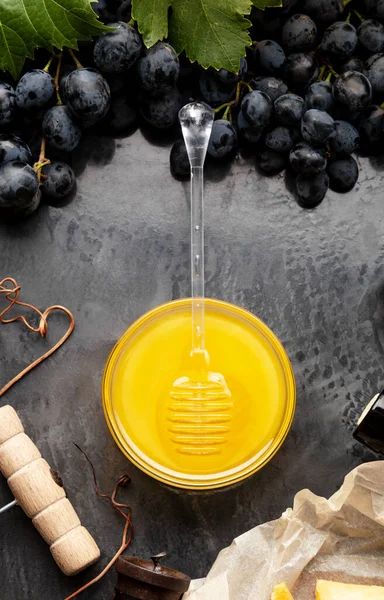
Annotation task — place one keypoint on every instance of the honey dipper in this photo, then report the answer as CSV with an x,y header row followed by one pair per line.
x,y
200,408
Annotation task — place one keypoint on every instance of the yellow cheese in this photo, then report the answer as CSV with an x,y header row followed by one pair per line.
x,y
281,592
330,590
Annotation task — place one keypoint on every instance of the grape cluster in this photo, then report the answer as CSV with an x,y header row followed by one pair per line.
x,y
107,85
35,108
306,96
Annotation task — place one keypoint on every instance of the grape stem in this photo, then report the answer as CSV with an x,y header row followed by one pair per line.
x,y
321,73
46,68
228,105
333,72
42,162
358,15
329,77
75,59
59,61
227,114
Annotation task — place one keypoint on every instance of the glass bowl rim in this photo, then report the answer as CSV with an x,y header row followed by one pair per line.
x,y
186,481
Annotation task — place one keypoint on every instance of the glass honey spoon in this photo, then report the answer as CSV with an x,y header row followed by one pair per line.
x,y
200,407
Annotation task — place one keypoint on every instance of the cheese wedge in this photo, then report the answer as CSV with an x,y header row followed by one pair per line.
x,y
330,590
281,592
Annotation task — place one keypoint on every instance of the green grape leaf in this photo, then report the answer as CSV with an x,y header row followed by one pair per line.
x,y
28,24
152,19
212,32
263,4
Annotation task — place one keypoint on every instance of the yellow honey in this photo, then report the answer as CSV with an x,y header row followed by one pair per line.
x,y
199,443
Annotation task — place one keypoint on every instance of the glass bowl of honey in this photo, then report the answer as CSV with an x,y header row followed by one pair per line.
x,y
186,442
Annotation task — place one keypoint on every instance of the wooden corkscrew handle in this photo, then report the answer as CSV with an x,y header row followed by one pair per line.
x,y
39,492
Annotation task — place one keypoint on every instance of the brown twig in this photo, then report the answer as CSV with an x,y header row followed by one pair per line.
x,y
128,527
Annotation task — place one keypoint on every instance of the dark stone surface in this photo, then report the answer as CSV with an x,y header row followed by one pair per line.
x,y
121,247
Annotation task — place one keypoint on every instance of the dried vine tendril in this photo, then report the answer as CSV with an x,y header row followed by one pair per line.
x,y
124,510
10,290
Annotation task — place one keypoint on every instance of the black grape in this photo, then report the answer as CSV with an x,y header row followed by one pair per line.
x,y
269,57
119,83
324,11
354,63
311,191
122,116
271,86
36,89
346,139
343,173
18,213
339,40
18,185
7,104
103,10
375,8
27,211
180,167
371,126
123,10
229,79
116,51
301,69
158,70
13,148
113,10
88,96
307,160
60,129
257,109
374,70
162,112
289,109
213,91
247,131
271,162
223,141
64,72
319,95
317,126
60,180
371,35
281,138
353,90
299,33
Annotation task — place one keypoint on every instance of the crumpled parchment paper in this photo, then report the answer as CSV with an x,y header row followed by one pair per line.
x,y
340,539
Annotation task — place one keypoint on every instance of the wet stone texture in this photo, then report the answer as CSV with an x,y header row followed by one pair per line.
x,y
120,248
